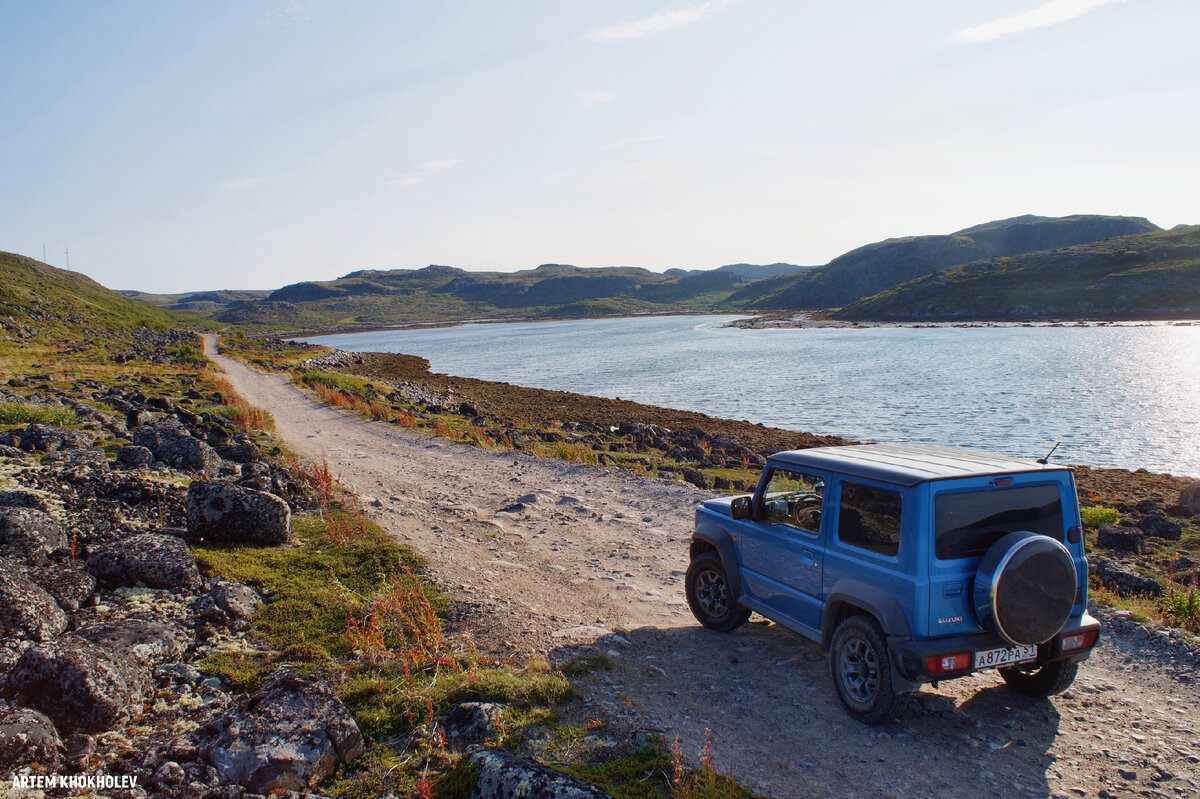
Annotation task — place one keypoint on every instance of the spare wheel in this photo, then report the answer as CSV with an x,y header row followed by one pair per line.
x,y
1025,588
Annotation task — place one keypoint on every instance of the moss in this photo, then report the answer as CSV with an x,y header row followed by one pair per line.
x,y
458,783
645,774
245,671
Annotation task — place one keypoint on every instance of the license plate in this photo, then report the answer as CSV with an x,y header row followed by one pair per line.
x,y
990,658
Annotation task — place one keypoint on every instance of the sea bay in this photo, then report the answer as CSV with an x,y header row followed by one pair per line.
x,y
1124,395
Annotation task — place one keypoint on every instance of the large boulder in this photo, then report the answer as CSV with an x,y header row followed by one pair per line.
x,y
1120,539
503,775
78,684
78,459
26,610
148,642
289,736
156,561
236,515
70,587
1160,527
49,437
133,457
28,534
1190,497
172,444
28,738
1124,580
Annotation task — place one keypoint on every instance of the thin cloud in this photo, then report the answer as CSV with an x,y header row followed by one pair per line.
x,y
242,184
657,23
1043,16
596,98
423,171
289,12
635,140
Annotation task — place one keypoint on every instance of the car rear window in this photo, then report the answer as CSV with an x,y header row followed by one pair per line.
x,y
968,523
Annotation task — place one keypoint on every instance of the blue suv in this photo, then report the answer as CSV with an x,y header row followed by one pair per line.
x,y
909,564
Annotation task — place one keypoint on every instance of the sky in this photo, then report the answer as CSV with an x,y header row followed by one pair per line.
x,y
180,146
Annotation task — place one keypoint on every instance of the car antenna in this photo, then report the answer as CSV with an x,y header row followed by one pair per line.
x,y
1046,459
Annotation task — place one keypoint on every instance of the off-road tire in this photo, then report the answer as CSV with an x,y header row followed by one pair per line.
x,y
709,597
1051,679
862,671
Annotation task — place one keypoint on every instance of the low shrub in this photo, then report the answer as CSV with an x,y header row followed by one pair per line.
x,y
1098,515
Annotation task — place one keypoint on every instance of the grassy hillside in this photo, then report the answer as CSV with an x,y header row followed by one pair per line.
x,y
1140,276
46,301
880,266
444,293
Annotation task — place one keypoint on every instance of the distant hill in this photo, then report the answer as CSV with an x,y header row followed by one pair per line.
x,y
880,266
1139,276
762,271
387,297
203,301
45,298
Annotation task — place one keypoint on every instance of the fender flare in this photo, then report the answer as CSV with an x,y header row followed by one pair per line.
x,y
721,540
872,600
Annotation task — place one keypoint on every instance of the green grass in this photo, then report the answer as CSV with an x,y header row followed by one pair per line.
x,y
24,413
339,382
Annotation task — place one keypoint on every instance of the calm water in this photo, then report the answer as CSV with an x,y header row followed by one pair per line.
x,y
1114,396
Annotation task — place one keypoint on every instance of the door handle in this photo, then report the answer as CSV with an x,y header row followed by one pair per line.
x,y
808,558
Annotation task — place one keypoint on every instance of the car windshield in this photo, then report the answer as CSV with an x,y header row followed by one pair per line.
x,y
968,523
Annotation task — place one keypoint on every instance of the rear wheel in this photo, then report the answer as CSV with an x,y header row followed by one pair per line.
x,y
1053,678
709,597
862,671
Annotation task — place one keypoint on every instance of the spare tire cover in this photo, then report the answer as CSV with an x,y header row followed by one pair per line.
x,y
1025,588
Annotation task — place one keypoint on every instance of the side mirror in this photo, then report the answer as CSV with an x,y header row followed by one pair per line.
x,y
741,508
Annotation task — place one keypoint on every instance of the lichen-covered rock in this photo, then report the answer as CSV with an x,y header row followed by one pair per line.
x,y
150,643
173,445
28,534
502,775
256,475
290,735
239,451
78,458
18,498
27,738
229,601
26,610
49,437
133,456
1190,497
236,515
70,587
156,561
1120,539
472,722
1160,527
1124,580
78,684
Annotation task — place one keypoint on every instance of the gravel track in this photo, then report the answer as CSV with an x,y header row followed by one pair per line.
x,y
556,556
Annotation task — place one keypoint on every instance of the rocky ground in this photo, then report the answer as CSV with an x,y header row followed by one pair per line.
x,y
561,559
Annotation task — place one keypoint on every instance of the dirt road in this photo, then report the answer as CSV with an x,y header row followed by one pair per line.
x,y
558,555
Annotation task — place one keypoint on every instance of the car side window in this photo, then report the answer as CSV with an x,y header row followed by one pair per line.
x,y
793,499
869,518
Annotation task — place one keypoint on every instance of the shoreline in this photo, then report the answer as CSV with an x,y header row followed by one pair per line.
x,y
754,320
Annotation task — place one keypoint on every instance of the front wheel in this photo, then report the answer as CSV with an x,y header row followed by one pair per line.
x,y
862,671
1053,678
709,597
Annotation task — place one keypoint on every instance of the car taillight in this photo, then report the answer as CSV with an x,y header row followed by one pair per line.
x,y
1082,640
941,664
